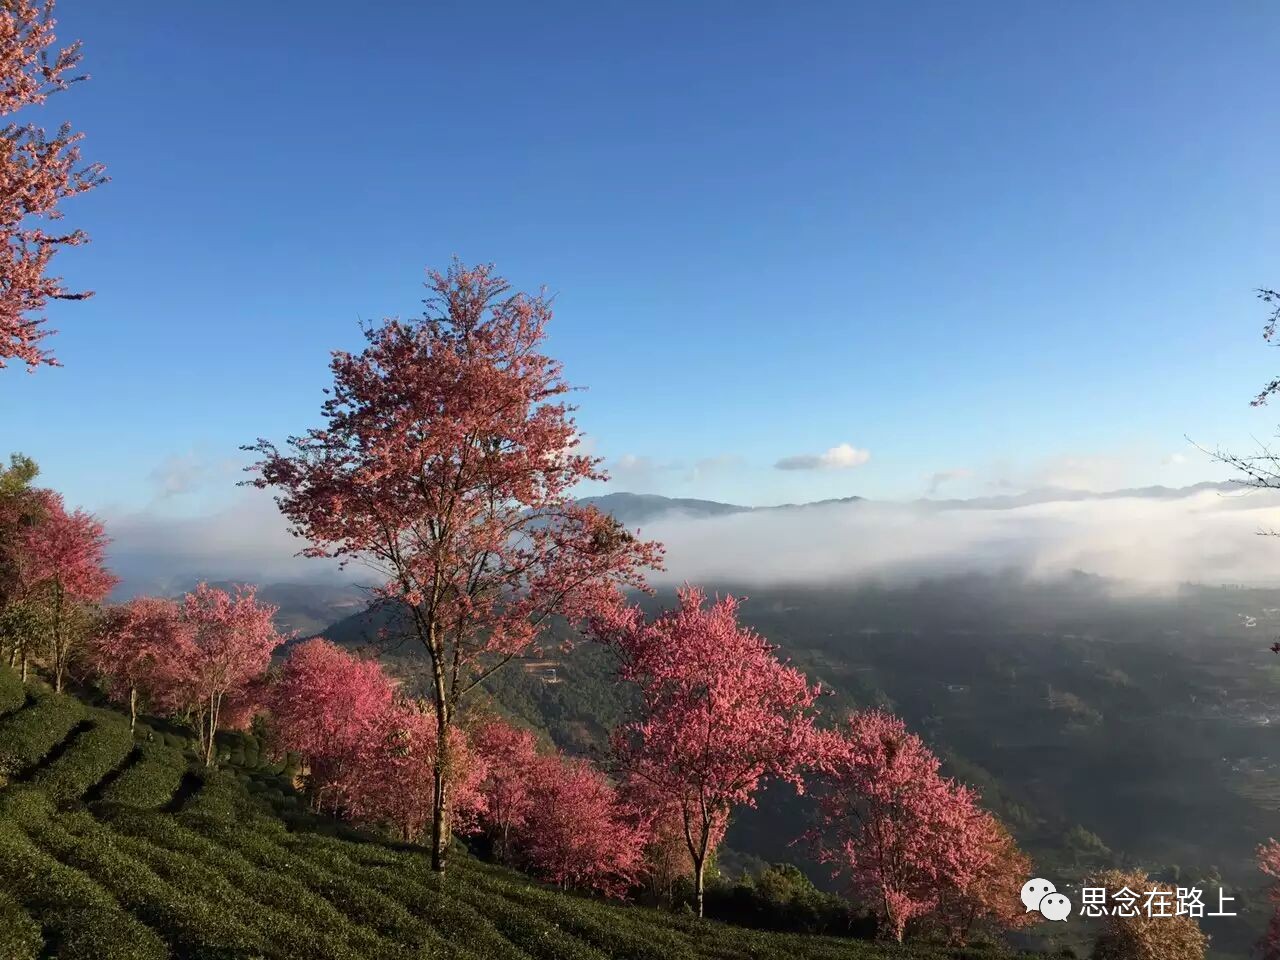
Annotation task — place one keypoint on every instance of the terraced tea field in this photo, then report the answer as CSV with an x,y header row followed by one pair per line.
x,y
113,847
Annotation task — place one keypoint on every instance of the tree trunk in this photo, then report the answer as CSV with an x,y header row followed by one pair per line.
x,y
133,709
211,733
699,868
59,660
441,832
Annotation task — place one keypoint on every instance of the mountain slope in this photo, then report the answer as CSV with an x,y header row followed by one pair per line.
x,y
115,851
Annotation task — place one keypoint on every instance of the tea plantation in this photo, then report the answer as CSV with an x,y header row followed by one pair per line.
x,y
114,847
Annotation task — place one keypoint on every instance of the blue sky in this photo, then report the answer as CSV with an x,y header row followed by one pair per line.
x,y
992,245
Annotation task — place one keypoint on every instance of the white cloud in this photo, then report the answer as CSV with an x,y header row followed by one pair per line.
x,y
1205,537
940,479
840,457
183,473
245,540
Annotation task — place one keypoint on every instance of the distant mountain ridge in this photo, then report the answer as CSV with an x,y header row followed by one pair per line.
x,y
635,508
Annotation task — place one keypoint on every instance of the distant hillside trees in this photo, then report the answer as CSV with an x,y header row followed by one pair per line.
x,y
37,172
445,463
719,712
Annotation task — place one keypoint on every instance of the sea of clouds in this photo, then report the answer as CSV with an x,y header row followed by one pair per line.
x,y
1208,536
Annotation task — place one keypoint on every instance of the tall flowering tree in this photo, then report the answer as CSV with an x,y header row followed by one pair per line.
x,y
903,836
37,172
719,712
62,569
132,642
325,706
225,649
445,463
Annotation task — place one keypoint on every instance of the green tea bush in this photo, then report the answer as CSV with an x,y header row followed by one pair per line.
x,y
93,933
20,936
438,900
223,795
242,872
83,920
151,779
608,931
361,903
285,935
12,694
533,934
27,735
91,756
277,889
197,928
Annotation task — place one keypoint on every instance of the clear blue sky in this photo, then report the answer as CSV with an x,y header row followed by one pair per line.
x,y
1011,242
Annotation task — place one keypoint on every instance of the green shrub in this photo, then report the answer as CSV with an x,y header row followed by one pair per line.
x,y
12,694
151,779
91,756
20,937
29,734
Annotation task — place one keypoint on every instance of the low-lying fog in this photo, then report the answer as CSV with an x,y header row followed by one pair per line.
x,y
1147,541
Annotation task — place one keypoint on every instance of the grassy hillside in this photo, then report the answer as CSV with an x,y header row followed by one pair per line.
x,y
114,848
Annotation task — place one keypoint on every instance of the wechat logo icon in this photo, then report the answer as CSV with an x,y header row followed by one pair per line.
x,y
1042,896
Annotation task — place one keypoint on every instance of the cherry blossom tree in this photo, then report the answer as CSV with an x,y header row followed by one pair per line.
x,y
1269,864
510,756
130,643
326,705
446,463
37,172
902,835
1145,934
667,859
62,569
988,891
579,835
392,779
226,648
719,712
